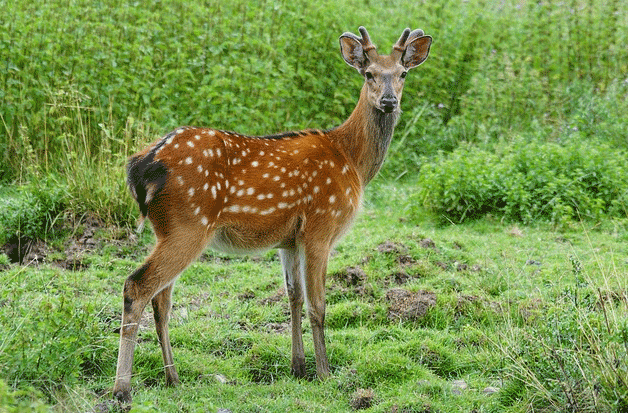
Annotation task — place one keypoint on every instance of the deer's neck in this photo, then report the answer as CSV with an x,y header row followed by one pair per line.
x,y
365,137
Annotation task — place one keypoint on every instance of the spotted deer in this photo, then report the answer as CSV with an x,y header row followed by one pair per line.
x,y
296,191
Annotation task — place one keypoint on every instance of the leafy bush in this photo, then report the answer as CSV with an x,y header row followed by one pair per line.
x,y
30,211
527,181
20,401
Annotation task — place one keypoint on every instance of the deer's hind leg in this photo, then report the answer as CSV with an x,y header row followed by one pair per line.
x,y
154,281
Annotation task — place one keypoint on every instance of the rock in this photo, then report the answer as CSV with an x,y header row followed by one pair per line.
x,y
490,390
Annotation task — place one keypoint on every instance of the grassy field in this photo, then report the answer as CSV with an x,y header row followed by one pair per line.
x,y
488,271
485,317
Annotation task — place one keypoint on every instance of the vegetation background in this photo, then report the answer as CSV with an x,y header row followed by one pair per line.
x,y
511,157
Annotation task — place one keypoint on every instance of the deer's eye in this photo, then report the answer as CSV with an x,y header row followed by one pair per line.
x,y
369,75
403,75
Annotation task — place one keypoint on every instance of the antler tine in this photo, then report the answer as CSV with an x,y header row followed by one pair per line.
x,y
368,47
415,33
405,38
402,40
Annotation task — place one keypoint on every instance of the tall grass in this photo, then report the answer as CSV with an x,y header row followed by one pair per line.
x,y
85,85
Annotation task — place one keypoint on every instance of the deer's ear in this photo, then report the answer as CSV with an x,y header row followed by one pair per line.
x,y
352,51
416,52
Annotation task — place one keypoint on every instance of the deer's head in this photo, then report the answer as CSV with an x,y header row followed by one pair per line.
x,y
384,76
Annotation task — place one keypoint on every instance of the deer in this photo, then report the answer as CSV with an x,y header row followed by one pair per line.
x,y
297,192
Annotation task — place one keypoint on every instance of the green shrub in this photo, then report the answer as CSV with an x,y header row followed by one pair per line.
x,y
31,210
20,401
528,181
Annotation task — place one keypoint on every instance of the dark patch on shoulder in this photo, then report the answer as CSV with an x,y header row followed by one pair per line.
x,y
293,134
142,172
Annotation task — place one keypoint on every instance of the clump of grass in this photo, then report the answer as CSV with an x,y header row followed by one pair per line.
x,y
574,356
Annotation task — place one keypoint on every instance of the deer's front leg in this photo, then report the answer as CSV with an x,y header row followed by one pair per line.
x,y
290,263
315,268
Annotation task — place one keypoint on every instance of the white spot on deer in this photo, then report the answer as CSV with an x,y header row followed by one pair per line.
x,y
282,205
218,153
254,164
345,169
188,160
267,211
232,190
250,191
218,185
266,175
261,197
348,191
271,164
197,210
332,164
197,137
176,146
210,152
244,153
240,192
233,208
240,182
332,199
204,221
190,144
199,168
191,192
269,196
211,133
328,181
180,180
276,178
261,153
180,131
316,190
206,186
206,172
283,170
214,193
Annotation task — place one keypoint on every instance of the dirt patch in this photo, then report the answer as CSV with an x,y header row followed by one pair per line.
x,y
351,276
362,399
274,299
26,251
427,243
389,247
406,305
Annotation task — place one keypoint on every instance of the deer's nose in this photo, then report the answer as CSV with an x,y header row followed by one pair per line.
x,y
388,103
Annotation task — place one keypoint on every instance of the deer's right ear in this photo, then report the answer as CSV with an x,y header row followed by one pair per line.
x,y
352,51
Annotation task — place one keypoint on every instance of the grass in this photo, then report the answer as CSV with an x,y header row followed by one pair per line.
x,y
536,313
523,272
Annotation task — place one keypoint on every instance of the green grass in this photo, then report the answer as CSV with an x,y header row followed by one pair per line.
x,y
536,312
510,157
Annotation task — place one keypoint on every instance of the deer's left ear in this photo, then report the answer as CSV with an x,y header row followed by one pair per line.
x,y
416,52
353,52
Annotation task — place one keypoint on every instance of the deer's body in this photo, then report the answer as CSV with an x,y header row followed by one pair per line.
x,y
297,191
